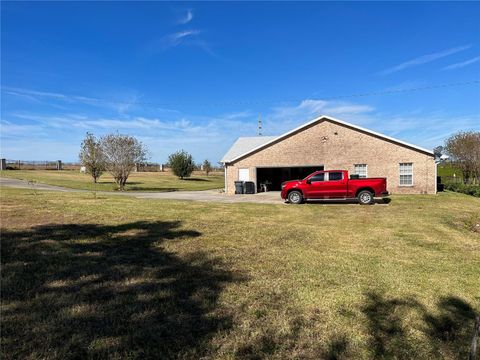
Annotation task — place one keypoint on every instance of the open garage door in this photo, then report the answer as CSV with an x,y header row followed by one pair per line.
x,y
274,176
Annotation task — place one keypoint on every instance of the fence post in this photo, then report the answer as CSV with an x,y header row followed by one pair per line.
x,y
59,164
3,164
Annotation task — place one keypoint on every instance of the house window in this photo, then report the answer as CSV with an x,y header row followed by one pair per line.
x,y
406,174
361,170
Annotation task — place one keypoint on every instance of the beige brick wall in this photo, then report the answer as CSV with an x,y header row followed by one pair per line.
x,y
339,147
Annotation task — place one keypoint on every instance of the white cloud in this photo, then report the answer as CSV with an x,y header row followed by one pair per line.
x,y
175,39
191,37
425,59
311,108
10,129
462,64
348,109
120,106
186,18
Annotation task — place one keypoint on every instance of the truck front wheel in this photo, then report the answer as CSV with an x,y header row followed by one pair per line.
x,y
365,197
295,197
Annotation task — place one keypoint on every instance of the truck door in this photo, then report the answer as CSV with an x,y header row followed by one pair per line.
x,y
314,188
335,185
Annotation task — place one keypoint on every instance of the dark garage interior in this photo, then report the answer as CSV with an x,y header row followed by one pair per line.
x,y
274,176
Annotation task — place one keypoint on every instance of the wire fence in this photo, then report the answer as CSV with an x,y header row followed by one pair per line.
x,y
9,164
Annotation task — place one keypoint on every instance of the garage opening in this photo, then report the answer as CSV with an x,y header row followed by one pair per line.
x,y
274,176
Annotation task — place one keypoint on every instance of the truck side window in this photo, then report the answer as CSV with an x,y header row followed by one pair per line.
x,y
335,176
318,177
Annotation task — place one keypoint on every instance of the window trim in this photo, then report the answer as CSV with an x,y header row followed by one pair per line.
x,y
366,170
399,174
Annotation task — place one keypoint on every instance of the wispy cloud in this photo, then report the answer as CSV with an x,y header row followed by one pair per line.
x,y
425,59
462,64
38,95
175,39
130,99
191,37
138,123
186,18
310,108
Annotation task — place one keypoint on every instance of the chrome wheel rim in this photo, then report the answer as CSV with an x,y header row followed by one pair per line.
x,y
365,198
294,197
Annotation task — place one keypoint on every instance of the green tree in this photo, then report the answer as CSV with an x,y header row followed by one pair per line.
x,y
464,147
92,156
207,167
181,164
122,153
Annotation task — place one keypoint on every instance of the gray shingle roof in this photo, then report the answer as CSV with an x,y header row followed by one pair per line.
x,y
244,145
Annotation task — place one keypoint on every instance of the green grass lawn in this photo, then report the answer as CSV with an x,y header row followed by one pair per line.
x,y
447,170
122,277
141,181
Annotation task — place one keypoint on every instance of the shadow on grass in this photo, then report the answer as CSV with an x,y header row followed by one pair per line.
x,y
447,331
395,328
87,290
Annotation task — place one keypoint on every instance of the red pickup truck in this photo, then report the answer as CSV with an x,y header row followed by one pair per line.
x,y
334,184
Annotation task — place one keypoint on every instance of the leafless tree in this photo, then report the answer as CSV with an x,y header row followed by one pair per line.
x,y
122,152
464,147
92,157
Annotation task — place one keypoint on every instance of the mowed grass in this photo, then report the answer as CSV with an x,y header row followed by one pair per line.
x,y
137,181
447,170
123,278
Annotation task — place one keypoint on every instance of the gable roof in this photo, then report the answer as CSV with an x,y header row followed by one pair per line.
x,y
236,154
244,145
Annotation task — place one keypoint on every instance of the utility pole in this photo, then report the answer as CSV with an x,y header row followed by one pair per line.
x,y
259,124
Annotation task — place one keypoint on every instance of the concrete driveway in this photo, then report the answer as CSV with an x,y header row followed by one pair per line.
x,y
272,197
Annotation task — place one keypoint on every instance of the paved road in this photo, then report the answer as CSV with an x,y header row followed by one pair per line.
x,y
272,197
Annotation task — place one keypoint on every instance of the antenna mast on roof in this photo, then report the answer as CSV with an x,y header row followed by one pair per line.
x,y
259,124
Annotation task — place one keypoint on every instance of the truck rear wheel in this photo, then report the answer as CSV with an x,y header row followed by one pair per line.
x,y
365,197
295,197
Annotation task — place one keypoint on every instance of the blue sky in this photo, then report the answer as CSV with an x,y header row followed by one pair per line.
x,y
195,76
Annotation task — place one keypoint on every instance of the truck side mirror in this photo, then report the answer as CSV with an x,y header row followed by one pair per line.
x,y
309,181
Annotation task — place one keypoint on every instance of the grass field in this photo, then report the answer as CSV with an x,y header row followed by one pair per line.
x,y
141,181
130,278
447,170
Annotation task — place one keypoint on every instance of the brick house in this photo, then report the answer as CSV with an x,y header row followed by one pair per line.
x,y
328,143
